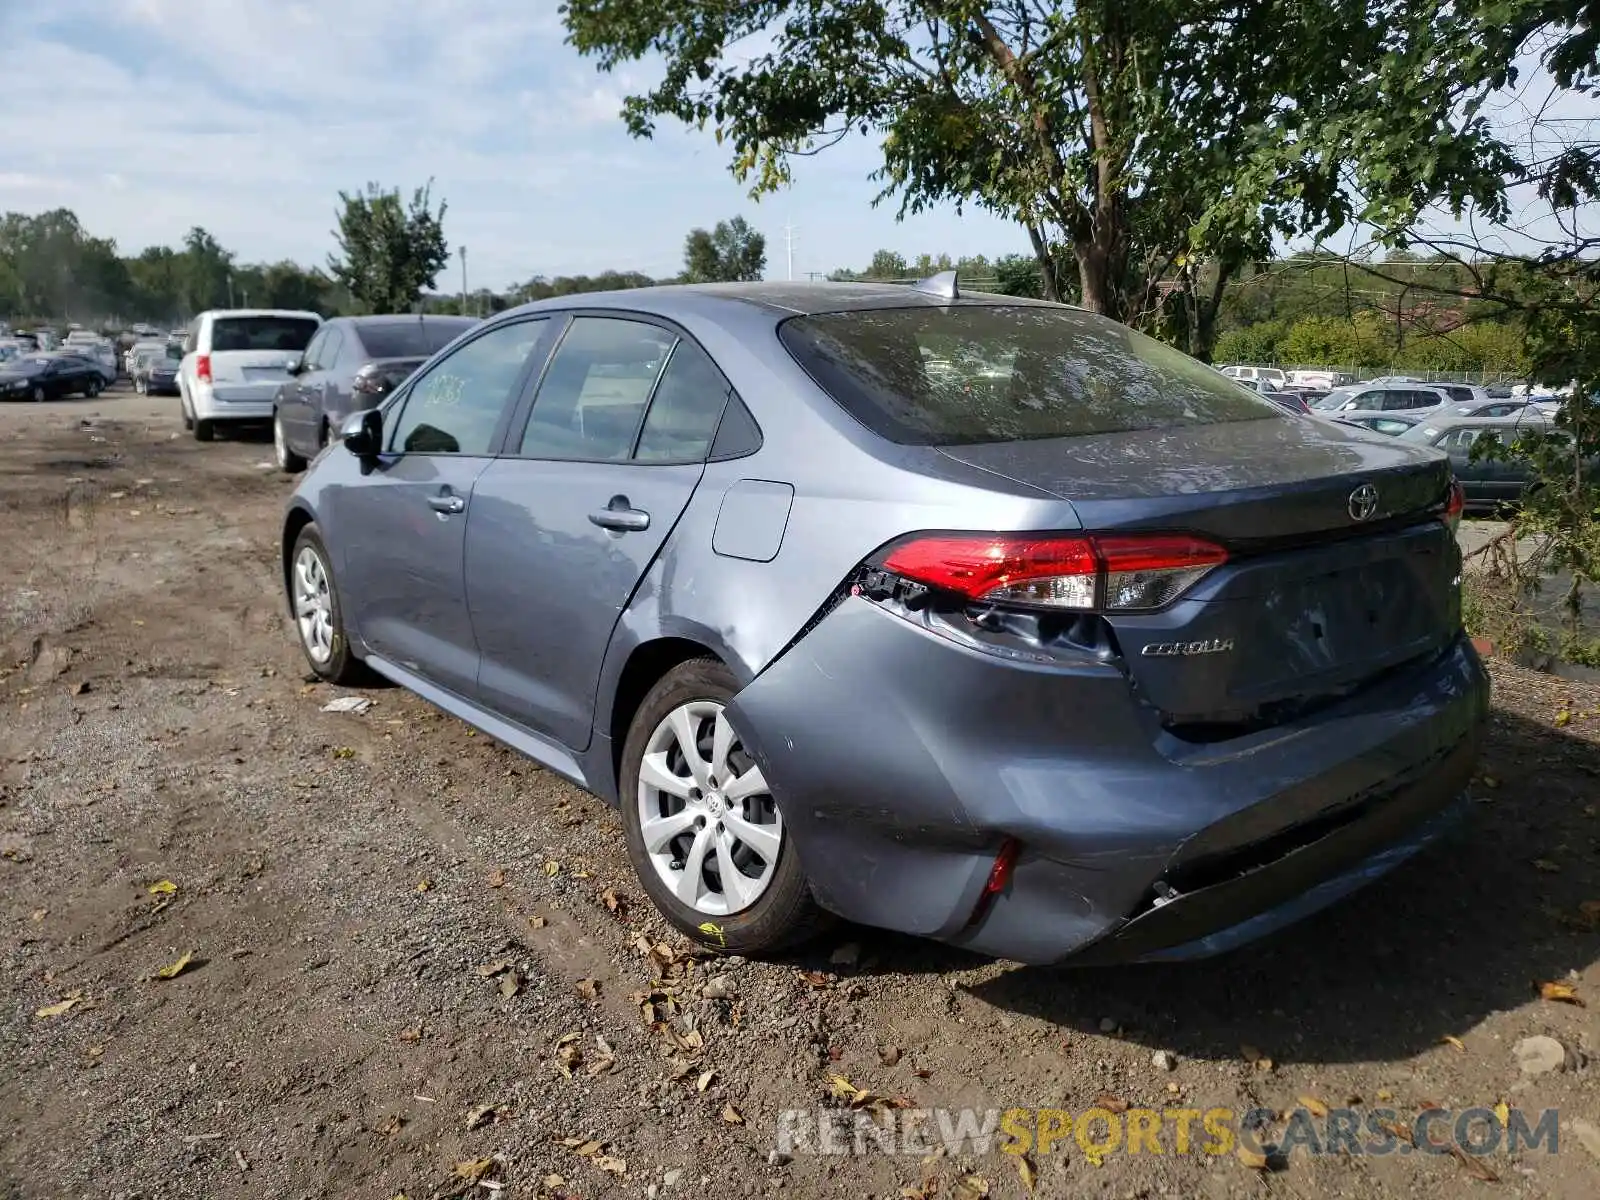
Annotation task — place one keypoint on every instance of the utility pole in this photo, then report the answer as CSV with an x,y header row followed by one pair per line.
x,y
789,232
230,289
463,281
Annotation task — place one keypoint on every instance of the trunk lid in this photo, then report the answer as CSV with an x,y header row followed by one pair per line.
x,y
1327,585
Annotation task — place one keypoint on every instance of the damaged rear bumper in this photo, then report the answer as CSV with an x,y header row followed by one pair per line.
x,y
903,761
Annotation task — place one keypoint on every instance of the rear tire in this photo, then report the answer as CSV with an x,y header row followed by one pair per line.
x,y
288,461
204,431
715,833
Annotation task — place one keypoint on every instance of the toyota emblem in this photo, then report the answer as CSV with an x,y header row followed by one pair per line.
x,y
1363,502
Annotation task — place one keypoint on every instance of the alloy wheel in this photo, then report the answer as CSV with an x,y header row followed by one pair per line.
x,y
706,816
313,604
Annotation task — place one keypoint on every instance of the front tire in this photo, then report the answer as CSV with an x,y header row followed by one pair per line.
x,y
141,388
704,832
38,394
288,461
93,389
318,619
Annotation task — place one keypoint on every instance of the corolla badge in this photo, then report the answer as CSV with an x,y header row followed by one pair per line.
x,y
1363,502
1187,649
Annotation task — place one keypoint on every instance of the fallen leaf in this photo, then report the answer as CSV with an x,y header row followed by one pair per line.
x,y
497,878
424,885
1455,1042
732,1115
616,1166
537,922
589,989
582,874
391,1126
1026,1171
568,1057
923,1073
475,1169
704,1081
972,1187
842,1087
588,1149
58,1009
554,1182
414,1034
1314,1106
498,966
510,984
815,978
1545,865
1562,993
1489,781
889,1055
552,869
1251,1159
482,1115
1474,1165
1563,718
173,970
39,914
1112,1104
1255,1057
162,887
613,902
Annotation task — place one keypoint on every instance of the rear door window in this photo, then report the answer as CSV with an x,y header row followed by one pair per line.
x,y
262,333
593,396
1007,373
685,410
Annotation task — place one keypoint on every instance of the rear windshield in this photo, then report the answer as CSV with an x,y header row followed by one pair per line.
x,y
960,375
412,339
262,333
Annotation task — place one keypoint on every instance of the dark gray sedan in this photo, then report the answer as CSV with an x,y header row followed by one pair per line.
x,y
350,365
1071,647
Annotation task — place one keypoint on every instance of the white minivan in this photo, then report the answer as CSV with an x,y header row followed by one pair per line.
x,y
233,361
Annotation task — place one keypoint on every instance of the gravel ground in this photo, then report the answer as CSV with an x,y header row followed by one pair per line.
x,y
404,961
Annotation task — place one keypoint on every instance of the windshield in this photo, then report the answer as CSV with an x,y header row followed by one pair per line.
x,y
1007,373
262,333
411,339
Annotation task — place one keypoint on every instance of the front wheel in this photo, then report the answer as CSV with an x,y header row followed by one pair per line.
x,y
704,832
39,396
93,389
141,388
317,616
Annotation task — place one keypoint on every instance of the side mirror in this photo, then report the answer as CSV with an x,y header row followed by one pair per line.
x,y
297,367
362,433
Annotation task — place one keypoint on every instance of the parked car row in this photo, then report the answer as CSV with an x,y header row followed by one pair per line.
x,y
39,377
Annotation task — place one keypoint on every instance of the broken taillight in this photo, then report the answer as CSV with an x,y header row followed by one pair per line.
x,y
1084,573
1455,504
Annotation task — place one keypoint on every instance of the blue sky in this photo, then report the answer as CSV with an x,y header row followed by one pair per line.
x,y
248,116
147,117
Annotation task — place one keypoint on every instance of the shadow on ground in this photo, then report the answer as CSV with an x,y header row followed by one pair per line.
x,y
1467,928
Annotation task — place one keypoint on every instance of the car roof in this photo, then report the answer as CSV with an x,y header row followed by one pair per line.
x,y
788,299
215,313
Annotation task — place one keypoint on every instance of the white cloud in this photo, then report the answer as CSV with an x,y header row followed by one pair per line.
x,y
247,117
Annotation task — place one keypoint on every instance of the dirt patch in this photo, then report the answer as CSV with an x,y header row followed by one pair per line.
x,y
414,963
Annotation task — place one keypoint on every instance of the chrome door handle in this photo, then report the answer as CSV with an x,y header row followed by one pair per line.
x,y
447,504
622,519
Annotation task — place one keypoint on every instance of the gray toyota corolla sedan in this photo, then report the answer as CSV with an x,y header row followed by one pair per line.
x,y
978,618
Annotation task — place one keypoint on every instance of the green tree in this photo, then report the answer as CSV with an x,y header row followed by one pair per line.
x,y
288,285
204,271
732,252
1144,139
389,252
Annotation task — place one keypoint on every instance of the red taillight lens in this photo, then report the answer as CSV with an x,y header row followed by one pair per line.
x,y
1123,573
1455,504
202,367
